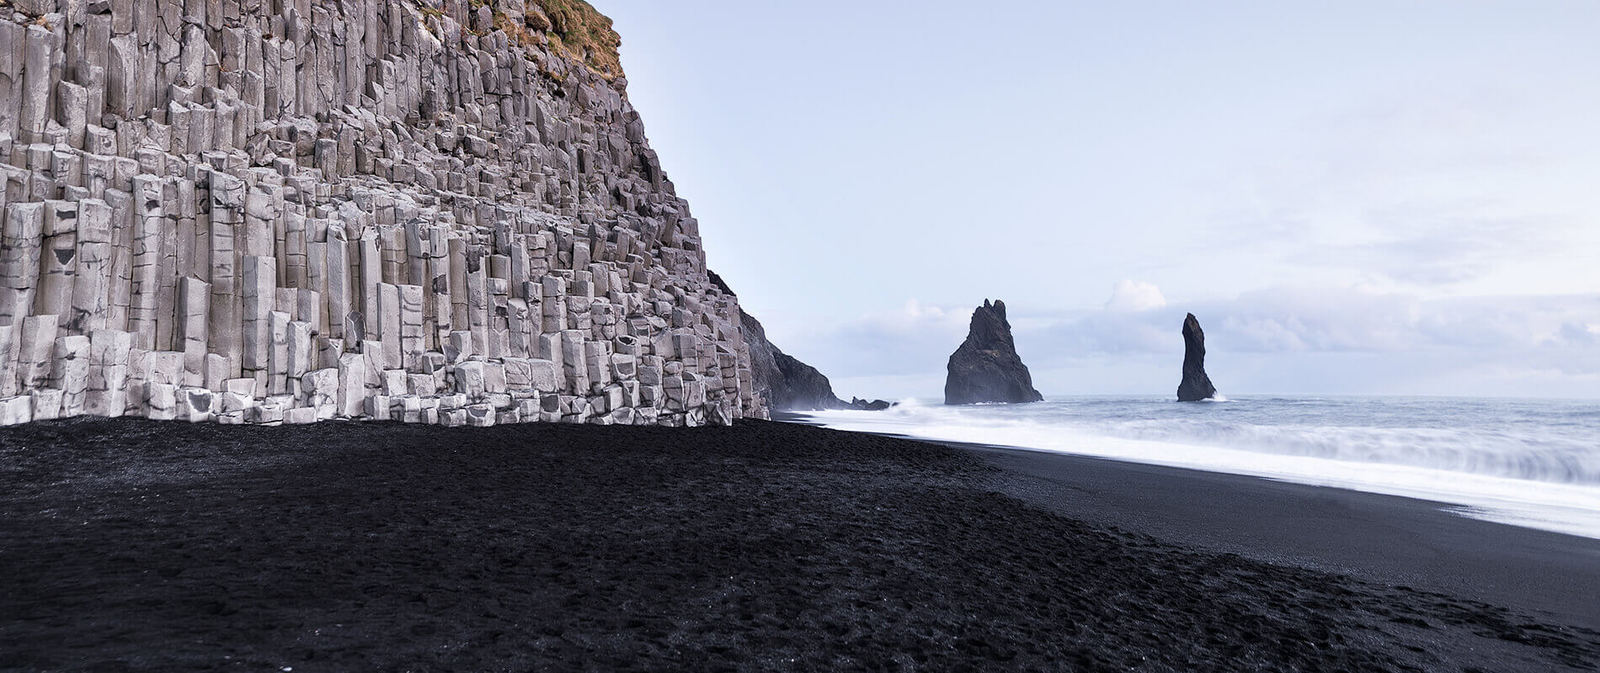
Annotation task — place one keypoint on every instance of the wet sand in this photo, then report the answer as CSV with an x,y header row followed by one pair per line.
x,y
136,545
1387,539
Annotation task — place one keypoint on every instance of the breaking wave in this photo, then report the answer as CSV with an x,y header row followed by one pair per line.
x,y
1530,462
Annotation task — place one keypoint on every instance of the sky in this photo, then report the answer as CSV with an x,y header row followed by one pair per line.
x,y
1394,198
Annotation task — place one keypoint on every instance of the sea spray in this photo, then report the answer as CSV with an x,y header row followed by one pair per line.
x,y
1529,462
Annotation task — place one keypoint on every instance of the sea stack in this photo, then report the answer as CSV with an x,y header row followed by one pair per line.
x,y
986,367
1196,385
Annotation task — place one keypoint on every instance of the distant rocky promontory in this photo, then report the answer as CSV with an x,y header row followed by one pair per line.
x,y
1196,385
783,382
786,383
986,367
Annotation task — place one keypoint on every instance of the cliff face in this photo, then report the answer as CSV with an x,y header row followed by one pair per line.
x,y
986,368
787,383
781,382
292,210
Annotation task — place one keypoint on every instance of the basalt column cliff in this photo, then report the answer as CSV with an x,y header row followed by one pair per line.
x,y
292,210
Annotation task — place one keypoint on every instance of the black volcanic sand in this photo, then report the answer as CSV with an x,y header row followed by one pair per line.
x,y
1388,539
136,545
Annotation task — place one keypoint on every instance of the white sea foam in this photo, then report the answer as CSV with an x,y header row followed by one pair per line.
x,y
1527,463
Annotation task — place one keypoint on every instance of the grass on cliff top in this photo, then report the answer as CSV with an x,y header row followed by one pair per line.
x,y
581,33
573,28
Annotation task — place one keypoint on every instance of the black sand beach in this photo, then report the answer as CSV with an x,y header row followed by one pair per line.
x,y
134,545
1387,539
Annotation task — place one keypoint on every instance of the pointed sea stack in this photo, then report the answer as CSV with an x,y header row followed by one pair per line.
x,y
986,367
1196,385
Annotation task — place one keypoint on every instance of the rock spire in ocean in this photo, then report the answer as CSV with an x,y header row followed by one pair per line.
x,y
986,368
1196,385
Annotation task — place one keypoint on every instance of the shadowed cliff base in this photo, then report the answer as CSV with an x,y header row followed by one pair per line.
x,y
134,545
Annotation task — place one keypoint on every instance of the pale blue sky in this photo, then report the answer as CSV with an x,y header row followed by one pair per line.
x,y
1354,197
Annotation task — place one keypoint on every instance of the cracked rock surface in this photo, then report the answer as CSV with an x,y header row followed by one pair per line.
x,y
285,211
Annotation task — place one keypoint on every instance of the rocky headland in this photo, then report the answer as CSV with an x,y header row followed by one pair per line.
x,y
781,381
297,210
789,384
986,368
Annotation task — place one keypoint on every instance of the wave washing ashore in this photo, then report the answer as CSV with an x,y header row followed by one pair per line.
x,y
1533,463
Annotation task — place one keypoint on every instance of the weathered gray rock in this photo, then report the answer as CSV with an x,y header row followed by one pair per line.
x,y
16,410
986,367
108,375
70,372
161,401
345,205
1195,386
34,104
320,391
36,347
197,404
46,404
870,405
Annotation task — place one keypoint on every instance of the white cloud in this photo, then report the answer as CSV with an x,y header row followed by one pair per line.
x,y
916,310
1133,296
914,317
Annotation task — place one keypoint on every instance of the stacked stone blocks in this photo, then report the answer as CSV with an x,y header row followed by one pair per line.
x,y
285,211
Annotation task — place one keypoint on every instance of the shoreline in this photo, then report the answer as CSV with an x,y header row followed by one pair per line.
x,y
139,545
1391,539
1395,540
1528,490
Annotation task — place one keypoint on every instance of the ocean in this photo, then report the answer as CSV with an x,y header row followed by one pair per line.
x,y
1533,463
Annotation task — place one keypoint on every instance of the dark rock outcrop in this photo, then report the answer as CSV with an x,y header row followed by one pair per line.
x,y
763,358
1196,385
787,384
800,386
986,367
874,405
